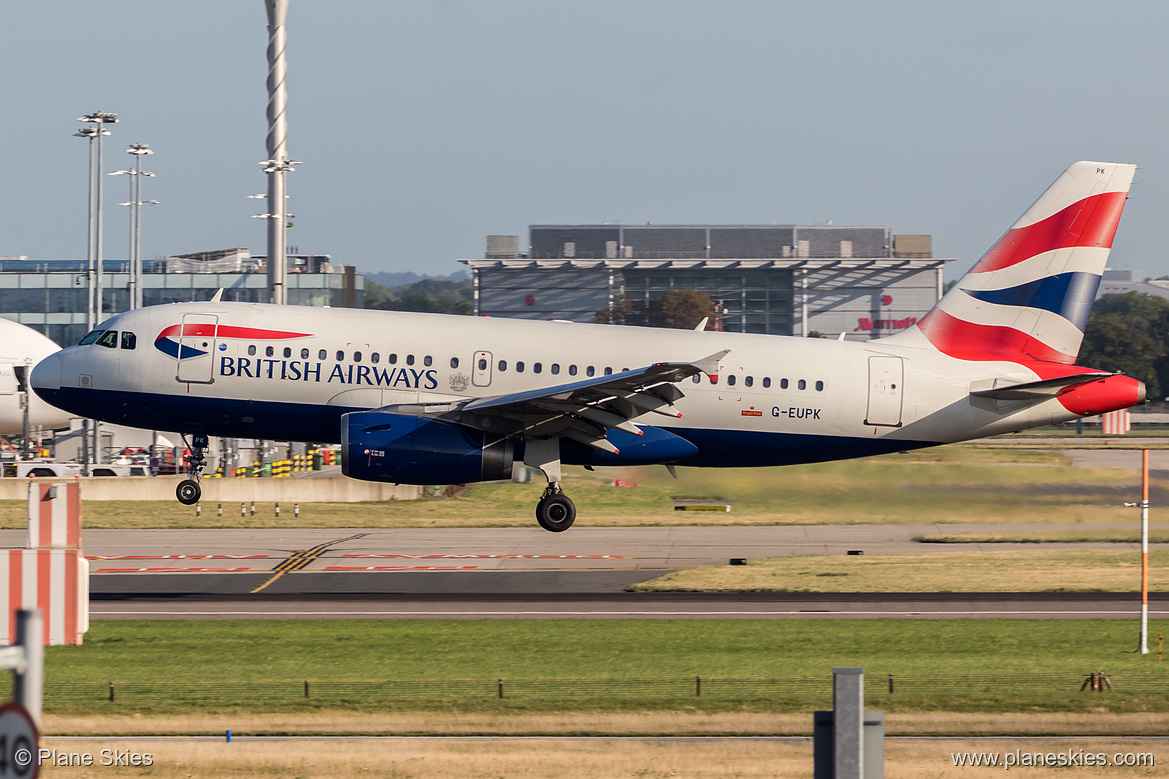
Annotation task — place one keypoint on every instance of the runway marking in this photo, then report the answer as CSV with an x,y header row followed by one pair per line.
x,y
493,556
401,567
337,612
168,570
178,557
300,559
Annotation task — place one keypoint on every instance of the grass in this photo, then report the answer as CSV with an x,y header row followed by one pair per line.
x,y
941,665
961,483
1079,570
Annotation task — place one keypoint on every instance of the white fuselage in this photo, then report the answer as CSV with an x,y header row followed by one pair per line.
x,y
289,372
21,348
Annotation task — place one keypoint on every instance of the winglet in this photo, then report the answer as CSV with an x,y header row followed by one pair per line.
x,y
702,325
217,296
709,365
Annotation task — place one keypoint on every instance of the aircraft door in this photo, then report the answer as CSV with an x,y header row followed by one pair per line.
x,y
885,391
481,369
197,344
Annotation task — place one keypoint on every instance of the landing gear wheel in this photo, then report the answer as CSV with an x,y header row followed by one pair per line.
x,y
188,492
555,513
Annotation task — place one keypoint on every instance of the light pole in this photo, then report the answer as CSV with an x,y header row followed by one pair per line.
x,y
136,202
94,269
278,162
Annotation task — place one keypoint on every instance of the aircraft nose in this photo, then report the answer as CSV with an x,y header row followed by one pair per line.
x,y
46,375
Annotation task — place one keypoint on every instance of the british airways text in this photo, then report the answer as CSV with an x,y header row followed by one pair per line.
x,y
294,370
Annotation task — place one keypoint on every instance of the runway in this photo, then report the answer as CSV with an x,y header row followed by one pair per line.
x,y
538,605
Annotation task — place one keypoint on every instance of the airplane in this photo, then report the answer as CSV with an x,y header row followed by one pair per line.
x,y
21,348
431,398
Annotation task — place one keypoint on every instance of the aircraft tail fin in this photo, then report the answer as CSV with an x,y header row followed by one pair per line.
x,y
1029,297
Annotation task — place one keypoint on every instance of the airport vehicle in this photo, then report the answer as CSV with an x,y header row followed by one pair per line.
x,y
427,398
21,348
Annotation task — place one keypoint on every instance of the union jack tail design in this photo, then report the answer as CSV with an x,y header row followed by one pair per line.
x,y
1028,298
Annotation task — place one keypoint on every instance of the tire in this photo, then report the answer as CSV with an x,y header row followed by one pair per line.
x,y
556,513
188,492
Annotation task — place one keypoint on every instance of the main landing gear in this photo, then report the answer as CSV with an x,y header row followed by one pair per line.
x,y
555,512
189,491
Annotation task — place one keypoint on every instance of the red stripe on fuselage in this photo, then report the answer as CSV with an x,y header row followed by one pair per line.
x,y
1089,222
227,331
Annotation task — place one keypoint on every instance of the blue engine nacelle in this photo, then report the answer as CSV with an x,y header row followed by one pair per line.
x,y
380,446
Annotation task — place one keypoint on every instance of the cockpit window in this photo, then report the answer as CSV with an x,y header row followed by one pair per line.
x,y
109,339
91,337
129,340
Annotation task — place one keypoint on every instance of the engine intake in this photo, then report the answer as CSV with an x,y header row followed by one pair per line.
x,y
386,447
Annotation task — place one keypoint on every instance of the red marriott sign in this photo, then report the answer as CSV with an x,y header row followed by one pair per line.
x,y
865,323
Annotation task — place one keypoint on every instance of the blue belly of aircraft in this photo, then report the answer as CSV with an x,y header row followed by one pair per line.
x,y
707,448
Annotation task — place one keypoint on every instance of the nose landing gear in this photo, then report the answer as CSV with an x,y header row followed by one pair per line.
x,y
188,492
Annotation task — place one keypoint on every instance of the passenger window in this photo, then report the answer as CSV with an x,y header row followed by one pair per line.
x,y
783,383
375,358
697,378
109,339
304,354
269,351
129,340
537,367
482,364
555,368
625,370
90,337
731,380
409,359
427,361
590,371
819,386
393,359
802,384
519,366
251,350
503,365
749,381
766,382
571,370
340,356
454,362
287,352
321,355
357,357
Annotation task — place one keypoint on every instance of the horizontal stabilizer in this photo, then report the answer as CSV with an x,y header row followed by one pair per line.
x,y
1037,390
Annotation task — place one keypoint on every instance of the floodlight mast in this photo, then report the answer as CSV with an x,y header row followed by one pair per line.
x,y
278,162
136,202
94,266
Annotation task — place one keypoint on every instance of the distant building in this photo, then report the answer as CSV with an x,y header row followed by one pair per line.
x,y
778,279
51,295
1117,282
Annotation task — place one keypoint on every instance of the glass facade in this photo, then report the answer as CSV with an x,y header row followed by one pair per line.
x,y
55,302
751,300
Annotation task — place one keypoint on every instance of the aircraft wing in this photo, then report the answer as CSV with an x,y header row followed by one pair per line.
x,y
581,410
1036,390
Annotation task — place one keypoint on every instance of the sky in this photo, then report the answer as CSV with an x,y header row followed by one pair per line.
x,y
425,125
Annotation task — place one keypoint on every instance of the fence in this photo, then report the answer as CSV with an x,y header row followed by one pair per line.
x,y
1019,688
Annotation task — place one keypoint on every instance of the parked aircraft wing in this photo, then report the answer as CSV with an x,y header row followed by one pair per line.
x,y
1037,390
581,410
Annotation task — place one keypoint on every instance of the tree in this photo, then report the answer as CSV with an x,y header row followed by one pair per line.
x,y
1111,344
434,296
621,311
679,308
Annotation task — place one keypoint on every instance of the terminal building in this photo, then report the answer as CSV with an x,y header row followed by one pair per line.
x,y
821,279
52,295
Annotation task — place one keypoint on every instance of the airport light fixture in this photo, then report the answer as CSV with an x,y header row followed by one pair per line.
x,y
99,119
139,150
